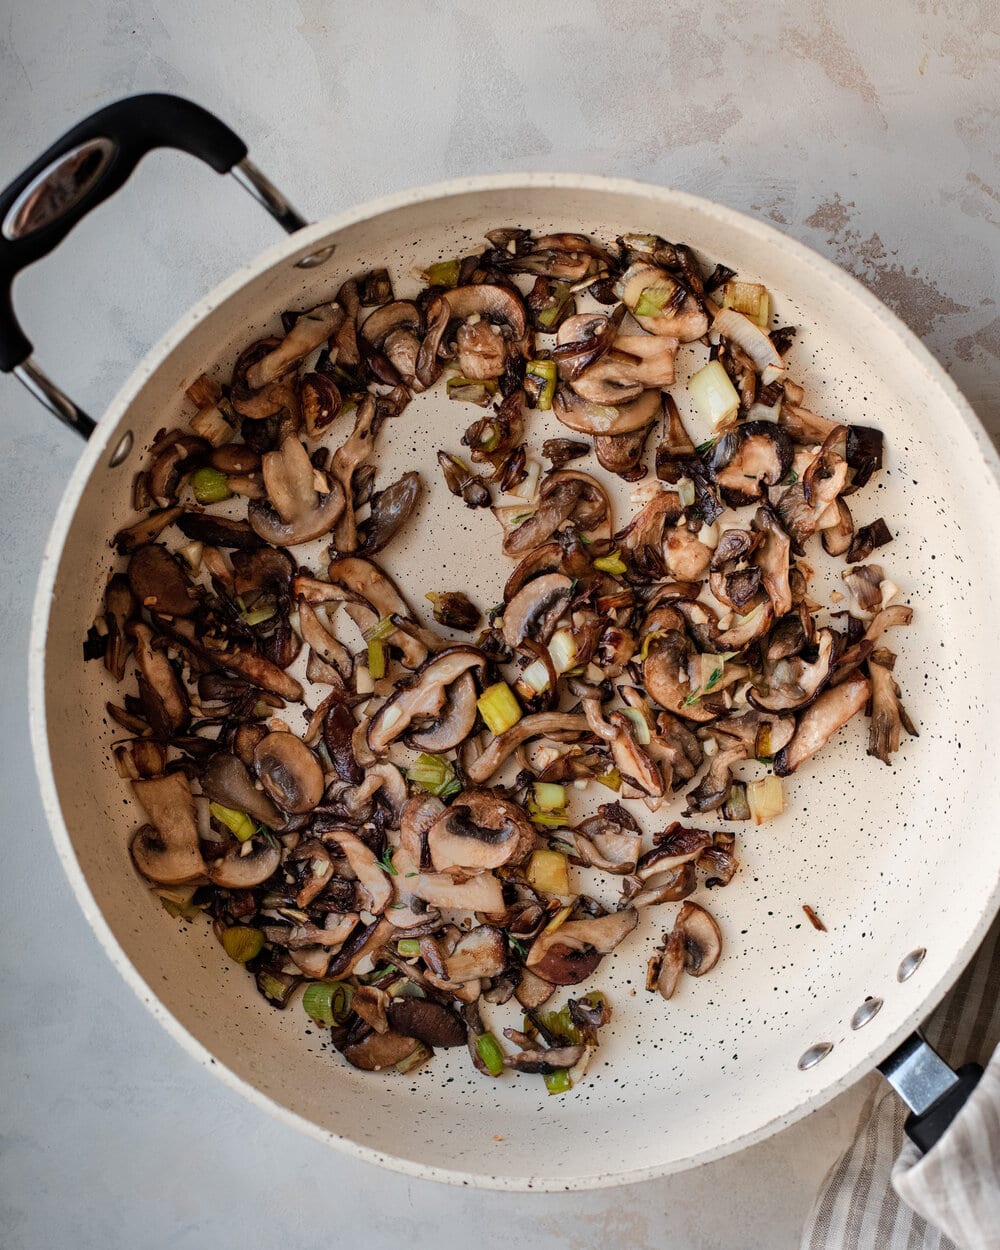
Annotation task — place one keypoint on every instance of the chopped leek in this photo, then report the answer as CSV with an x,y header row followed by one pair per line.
x,y
749,298
322,999
238,823
736,806
549,820
376,659
561,1024
435,774
549,796
491,1052
499,708
257,616
442,273
414,1059
471,391
534,679
548,871
209,485
549,317
654,298
647,642
177,905
545,372
766,799
714,395
612,779
559,919
640,729
563,649
408,947
242,943
559,1081
685,492
612,563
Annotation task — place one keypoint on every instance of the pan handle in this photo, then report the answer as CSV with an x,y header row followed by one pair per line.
x,y
81,170
930,1088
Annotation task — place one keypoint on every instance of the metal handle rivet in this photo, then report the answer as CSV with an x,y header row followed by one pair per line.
x,y
868,1010
315,259
814,1055
910,964
121,452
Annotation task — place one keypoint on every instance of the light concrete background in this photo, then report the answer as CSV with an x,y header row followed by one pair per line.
x,y
869,130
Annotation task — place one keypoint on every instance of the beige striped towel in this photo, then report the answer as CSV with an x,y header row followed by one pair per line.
x,y
882,1194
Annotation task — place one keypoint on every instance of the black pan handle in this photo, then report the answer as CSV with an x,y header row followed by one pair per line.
x,y
81,170
934,1092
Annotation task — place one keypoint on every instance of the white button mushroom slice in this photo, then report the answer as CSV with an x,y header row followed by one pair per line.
x,y
239,871
481,830
422,696
372,879
167,850
310,330
570,953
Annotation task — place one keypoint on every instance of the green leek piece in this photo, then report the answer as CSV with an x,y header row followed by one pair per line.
x,y
545,372
408,947
612,779
318,1002
559,1081
443,273
209,485
612,563
491,1052
376,659
242,943
238,823
549,317
550,820
414,1059
257,616
655,297
435,774
499,708
549,796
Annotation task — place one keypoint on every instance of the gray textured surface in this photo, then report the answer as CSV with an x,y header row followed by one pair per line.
x,y
867,131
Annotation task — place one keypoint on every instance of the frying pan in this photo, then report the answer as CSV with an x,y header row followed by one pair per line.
x,y
900,863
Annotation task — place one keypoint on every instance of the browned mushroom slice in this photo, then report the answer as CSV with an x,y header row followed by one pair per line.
x,y
422,696
569,257
364,941
838,538
160,689
632,762
295,512
666,678
888,716
610,840
349,456
586,417
791,683
895,614
478,357
218,531
455,723
622,453
227,781
704,625
373,881
478,955
315,635
713,789
702,939
371,596
749,458
762,733
570,953
159,583
535,609
174,456
311,330
772,558
390,510
429,1022
662,305
554,1059
258,670
480,830
676,446
289,772
541,724
801,507
555,506
685,556
166,851
237,870
666,965
565,554
119,608
821,720
633,363
396,329
377,1051
267,401
145,530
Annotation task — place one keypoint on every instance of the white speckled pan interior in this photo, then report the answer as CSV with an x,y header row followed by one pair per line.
x,y
892,859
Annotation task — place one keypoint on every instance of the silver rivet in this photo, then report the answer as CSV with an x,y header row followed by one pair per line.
x,y
315,259
811,1057
868,1010
120,453
910,964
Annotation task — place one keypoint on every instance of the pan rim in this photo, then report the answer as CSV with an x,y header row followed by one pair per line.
x,y
301,243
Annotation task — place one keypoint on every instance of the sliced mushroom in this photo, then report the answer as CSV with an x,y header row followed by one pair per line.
x,y
218,531
159,583
666,965
390,510
749,458
632,762
479,892
541,724
681,315
791,683
372,596
167,851
295,512
534,611
427,1021
609,841
600,420
479,955
894,615
713,789
237,870
888,716
162,693
481,830
311,330
289,772
554,1059
666,887
666,677
375,884
821,720
377,1051
173,456
226,780
622,453
347,459
773,559
318,637
701,938
422,696
633,363
569,954
493,306
685,556
801,507
396,329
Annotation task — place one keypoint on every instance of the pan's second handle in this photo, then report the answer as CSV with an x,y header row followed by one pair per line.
x,y
81,170
934,1092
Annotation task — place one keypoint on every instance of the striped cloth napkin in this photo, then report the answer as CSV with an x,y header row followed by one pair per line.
x,y
882,1194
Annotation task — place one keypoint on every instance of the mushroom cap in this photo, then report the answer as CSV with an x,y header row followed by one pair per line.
x,y
159,583
665,676
748,458
479,955
481,830
702,939
289,771
534,611
294,512
422,696
624,417
456,722
226,780
237,871
377,1051
431,1023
